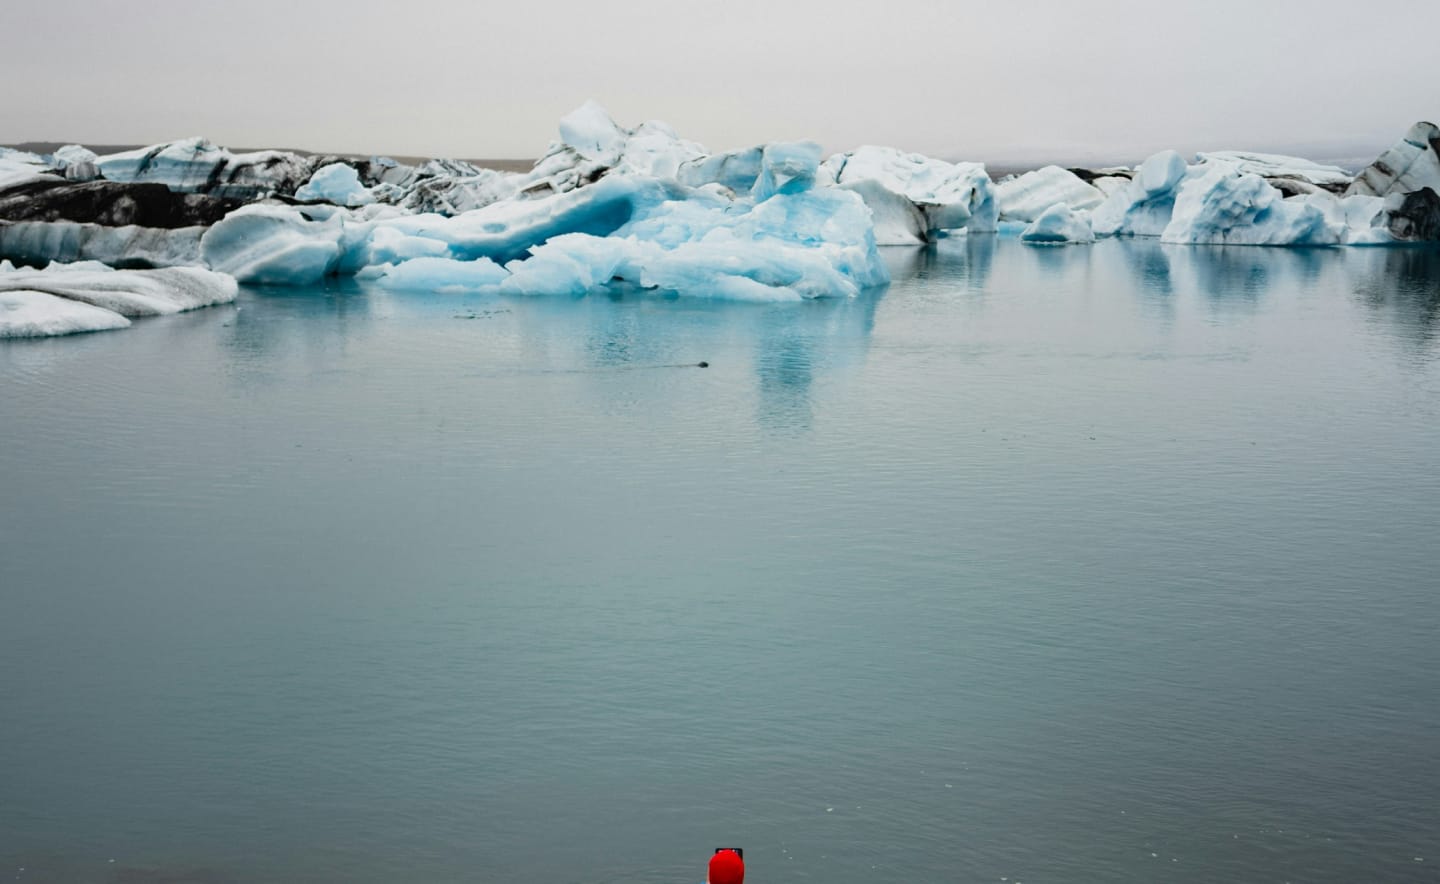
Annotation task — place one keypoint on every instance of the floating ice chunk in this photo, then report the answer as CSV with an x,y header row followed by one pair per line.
x,y
30,314
1410,165
1270,165
1143,207
950,195
593,134
127,292
816,243
1026,197
1221,206
195,165
1057,226
336,183
442,275
274,244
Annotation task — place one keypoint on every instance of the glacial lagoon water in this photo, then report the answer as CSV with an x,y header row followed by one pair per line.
x,y
1080,564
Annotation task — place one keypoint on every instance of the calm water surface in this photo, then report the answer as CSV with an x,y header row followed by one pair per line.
x,y
1088,564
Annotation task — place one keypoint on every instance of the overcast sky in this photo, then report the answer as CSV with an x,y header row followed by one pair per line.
x,y
979,80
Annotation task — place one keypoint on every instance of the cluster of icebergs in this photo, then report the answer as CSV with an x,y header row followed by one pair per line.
x,y
646,208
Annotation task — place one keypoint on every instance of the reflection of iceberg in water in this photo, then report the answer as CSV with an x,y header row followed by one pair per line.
x,y
787,344
795,345
1231,277
276,323
1403,287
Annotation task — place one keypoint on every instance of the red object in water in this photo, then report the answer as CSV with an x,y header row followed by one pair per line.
x,y
726,867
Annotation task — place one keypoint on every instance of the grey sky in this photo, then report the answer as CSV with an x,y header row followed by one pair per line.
x,y
990,80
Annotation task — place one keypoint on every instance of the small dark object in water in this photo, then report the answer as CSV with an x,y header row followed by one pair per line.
x,y
703,365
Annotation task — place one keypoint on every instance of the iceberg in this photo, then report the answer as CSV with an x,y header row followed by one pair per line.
x,y
127,292
195,165
734,170
1026,197
336,183
26,313
896,220
1221,205
651,210
454,194
1414,217
441,275
1057,226
264,243
89,296
951,196
1142,207
1277,166
128,246
76,162
1412,164
593,134
800,242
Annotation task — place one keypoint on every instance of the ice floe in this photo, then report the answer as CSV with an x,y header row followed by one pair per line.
x,y
89,296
